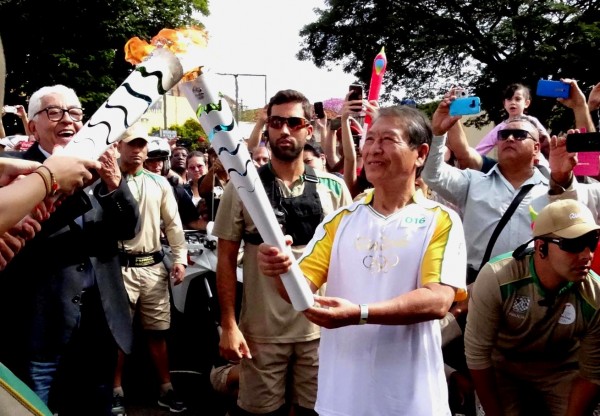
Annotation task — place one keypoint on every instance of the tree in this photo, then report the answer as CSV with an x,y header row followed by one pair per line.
x,y
83,47
481,45
191,133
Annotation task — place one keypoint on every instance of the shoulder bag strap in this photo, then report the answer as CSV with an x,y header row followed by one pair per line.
x,y
507,214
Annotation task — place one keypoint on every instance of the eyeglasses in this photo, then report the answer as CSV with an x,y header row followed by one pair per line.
x,y
576,245
57,113
294,123
517,134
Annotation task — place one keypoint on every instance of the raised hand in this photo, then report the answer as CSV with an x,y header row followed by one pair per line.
x,y
109,171
594,98
442,121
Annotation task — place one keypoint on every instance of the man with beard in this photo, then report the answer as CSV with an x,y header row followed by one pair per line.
x,y
276,344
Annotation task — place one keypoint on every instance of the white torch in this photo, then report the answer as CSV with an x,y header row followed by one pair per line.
x,y
152,78
216,118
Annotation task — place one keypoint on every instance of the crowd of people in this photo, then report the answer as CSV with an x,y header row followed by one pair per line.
x,y
445,281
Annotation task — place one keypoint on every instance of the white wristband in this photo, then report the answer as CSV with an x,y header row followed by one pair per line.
x,y
364,314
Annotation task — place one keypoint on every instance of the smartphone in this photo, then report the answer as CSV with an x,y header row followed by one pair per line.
x,y
335,123
583,142
356,92
319,111
465,106
555,89
588,164
10,109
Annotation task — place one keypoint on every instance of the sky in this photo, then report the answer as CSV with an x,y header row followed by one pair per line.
x,y
262,37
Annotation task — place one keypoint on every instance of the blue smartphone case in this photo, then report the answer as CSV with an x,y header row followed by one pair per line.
x,y
555,89
465,106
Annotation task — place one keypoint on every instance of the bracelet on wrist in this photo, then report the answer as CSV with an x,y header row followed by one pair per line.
x,y
52,187
46,181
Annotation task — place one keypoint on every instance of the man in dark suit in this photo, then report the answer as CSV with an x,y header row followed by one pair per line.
x,y
75,309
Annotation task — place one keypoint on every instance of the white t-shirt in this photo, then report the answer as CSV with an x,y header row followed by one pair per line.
x,y
365,257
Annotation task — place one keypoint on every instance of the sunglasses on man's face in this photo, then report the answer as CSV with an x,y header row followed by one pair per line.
x,y
576,245
517,134
293,123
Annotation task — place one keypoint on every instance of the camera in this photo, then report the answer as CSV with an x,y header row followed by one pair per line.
x,y
335,123
10,109
460,92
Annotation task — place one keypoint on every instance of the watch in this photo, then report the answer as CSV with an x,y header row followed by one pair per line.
x,y
364,314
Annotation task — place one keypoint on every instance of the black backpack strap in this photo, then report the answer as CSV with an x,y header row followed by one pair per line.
x,y
507,214
310,175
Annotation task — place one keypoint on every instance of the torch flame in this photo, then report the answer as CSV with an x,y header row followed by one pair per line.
x,y
185,43
136,50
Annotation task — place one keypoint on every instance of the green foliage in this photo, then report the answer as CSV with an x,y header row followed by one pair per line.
x,y
481,45
190,133
84,47
194,134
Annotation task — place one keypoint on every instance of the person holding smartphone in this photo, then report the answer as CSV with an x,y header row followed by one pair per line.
x,y
517,98
19,111
319,123
354,176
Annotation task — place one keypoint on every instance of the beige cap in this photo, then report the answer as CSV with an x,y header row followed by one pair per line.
x,y
134,132
566,218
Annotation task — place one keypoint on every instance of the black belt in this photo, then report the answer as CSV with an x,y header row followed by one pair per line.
x,y
141,259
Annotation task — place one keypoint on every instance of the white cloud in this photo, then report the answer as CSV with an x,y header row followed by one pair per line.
x,y
262,37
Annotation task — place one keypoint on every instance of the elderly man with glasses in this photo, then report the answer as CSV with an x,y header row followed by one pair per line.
x,y
65,302
533,331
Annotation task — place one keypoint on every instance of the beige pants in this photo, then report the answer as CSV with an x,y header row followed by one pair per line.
x,y
148,291
274,367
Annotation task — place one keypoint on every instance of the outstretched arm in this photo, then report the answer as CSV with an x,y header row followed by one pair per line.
x,y
256,134
578,103
18,198
457,142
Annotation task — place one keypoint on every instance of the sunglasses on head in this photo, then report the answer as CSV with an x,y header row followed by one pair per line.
x,y
517,134
576,245
293,123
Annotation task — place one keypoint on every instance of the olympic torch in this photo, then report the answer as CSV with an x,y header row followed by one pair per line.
x,y
379,65
152,78
216,118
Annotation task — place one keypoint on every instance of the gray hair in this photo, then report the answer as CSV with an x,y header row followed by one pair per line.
x,y
526,119
413,122
35,102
